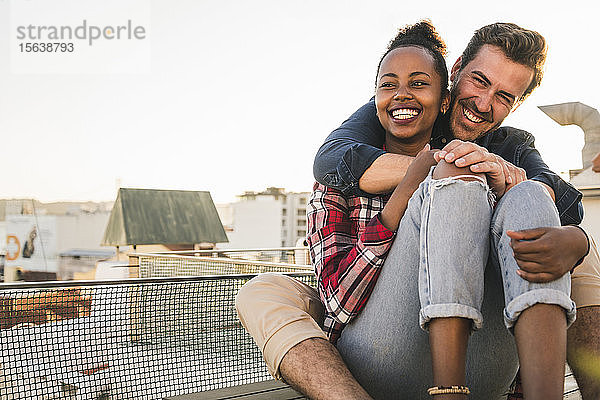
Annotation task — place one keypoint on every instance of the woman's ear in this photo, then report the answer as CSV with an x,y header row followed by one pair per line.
x,y
445,101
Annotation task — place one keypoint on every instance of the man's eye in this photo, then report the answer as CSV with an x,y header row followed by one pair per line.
x,y
420,83
386,85
507,100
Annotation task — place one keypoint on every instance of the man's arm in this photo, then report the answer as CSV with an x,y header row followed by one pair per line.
x,y
352,160
385,173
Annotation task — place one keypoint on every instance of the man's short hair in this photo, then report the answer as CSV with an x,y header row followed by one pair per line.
x,y
523,46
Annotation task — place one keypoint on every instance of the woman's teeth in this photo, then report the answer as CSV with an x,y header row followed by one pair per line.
x,y
404,113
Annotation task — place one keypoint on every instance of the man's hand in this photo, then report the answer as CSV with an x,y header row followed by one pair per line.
x,y
501,174
546,254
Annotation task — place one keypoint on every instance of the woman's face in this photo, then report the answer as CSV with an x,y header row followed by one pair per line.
x,y
408,96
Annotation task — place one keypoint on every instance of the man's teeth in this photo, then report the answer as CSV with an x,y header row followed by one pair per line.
x,y
404,113
472,117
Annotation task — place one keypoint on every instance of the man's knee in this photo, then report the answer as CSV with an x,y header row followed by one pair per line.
x,y
279,312
275,298
528,189
529,199
267,287
448,170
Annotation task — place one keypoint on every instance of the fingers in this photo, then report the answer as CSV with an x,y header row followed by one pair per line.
x,y
487,167
452,145
424,149
507,174
541,277
457,149
474,157
539,258
448,153
527,234
516,175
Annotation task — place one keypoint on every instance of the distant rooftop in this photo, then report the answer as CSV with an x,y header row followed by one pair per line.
x,y
147,216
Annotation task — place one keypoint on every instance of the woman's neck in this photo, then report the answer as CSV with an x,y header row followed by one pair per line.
x,y
409,147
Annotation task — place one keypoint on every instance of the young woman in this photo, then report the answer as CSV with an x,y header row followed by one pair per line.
x,y
350,238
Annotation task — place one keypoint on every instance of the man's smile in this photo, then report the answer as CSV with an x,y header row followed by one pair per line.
x,y
472,117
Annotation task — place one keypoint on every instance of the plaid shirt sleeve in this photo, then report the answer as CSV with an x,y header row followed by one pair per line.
x,y
347,256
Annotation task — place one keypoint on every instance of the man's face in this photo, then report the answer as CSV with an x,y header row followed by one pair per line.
x,y
485,91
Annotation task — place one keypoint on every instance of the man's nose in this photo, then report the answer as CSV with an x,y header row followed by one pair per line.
x,y
484,101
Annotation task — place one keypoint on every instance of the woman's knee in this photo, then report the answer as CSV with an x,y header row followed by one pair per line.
x,y
447,170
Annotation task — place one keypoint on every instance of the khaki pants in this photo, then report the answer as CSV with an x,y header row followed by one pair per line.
x,y
279,312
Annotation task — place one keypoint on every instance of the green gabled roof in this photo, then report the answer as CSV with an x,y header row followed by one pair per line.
x,y
147,216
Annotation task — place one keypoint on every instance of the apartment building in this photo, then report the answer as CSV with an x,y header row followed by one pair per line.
x,y
270,218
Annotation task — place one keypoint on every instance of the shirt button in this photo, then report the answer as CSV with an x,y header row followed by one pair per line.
x,y
444,140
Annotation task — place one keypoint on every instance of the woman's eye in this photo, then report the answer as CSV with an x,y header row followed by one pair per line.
x,y
386,85
420,83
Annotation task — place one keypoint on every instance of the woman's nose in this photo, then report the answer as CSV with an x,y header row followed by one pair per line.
x,y
402,93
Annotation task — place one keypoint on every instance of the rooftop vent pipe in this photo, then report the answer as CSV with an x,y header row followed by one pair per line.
x,y
584,116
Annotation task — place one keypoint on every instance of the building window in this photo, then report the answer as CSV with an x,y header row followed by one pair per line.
x,y
301,222
302,200
284,211
301,211
301,233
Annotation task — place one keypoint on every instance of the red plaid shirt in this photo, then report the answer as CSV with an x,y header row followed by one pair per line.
x,y
348,245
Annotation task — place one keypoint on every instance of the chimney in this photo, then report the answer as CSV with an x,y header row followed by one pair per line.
x,y
584,116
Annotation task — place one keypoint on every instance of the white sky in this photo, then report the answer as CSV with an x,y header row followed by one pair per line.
x,y
240,94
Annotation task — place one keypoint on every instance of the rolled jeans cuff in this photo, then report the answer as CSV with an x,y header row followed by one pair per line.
x,y
536,296
450,310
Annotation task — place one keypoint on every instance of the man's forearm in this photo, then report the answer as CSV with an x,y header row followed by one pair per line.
x,y
385,173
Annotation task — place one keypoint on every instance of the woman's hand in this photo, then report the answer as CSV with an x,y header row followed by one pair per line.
x,y
415,174
419,168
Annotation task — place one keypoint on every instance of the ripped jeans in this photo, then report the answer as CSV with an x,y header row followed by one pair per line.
x,y
437,268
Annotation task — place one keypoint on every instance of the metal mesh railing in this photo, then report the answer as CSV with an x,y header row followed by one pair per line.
x,y
288,255
129,339
163,265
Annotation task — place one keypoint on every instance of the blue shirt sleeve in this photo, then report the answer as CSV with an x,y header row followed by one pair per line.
x,y
350,150
567,198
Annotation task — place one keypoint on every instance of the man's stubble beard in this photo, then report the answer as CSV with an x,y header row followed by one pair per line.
x,y
455,111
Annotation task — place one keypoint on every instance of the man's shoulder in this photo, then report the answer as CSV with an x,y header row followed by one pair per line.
x,y
515,133
505,135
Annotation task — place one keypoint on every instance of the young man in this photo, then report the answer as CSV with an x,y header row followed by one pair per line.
x,y
294,345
